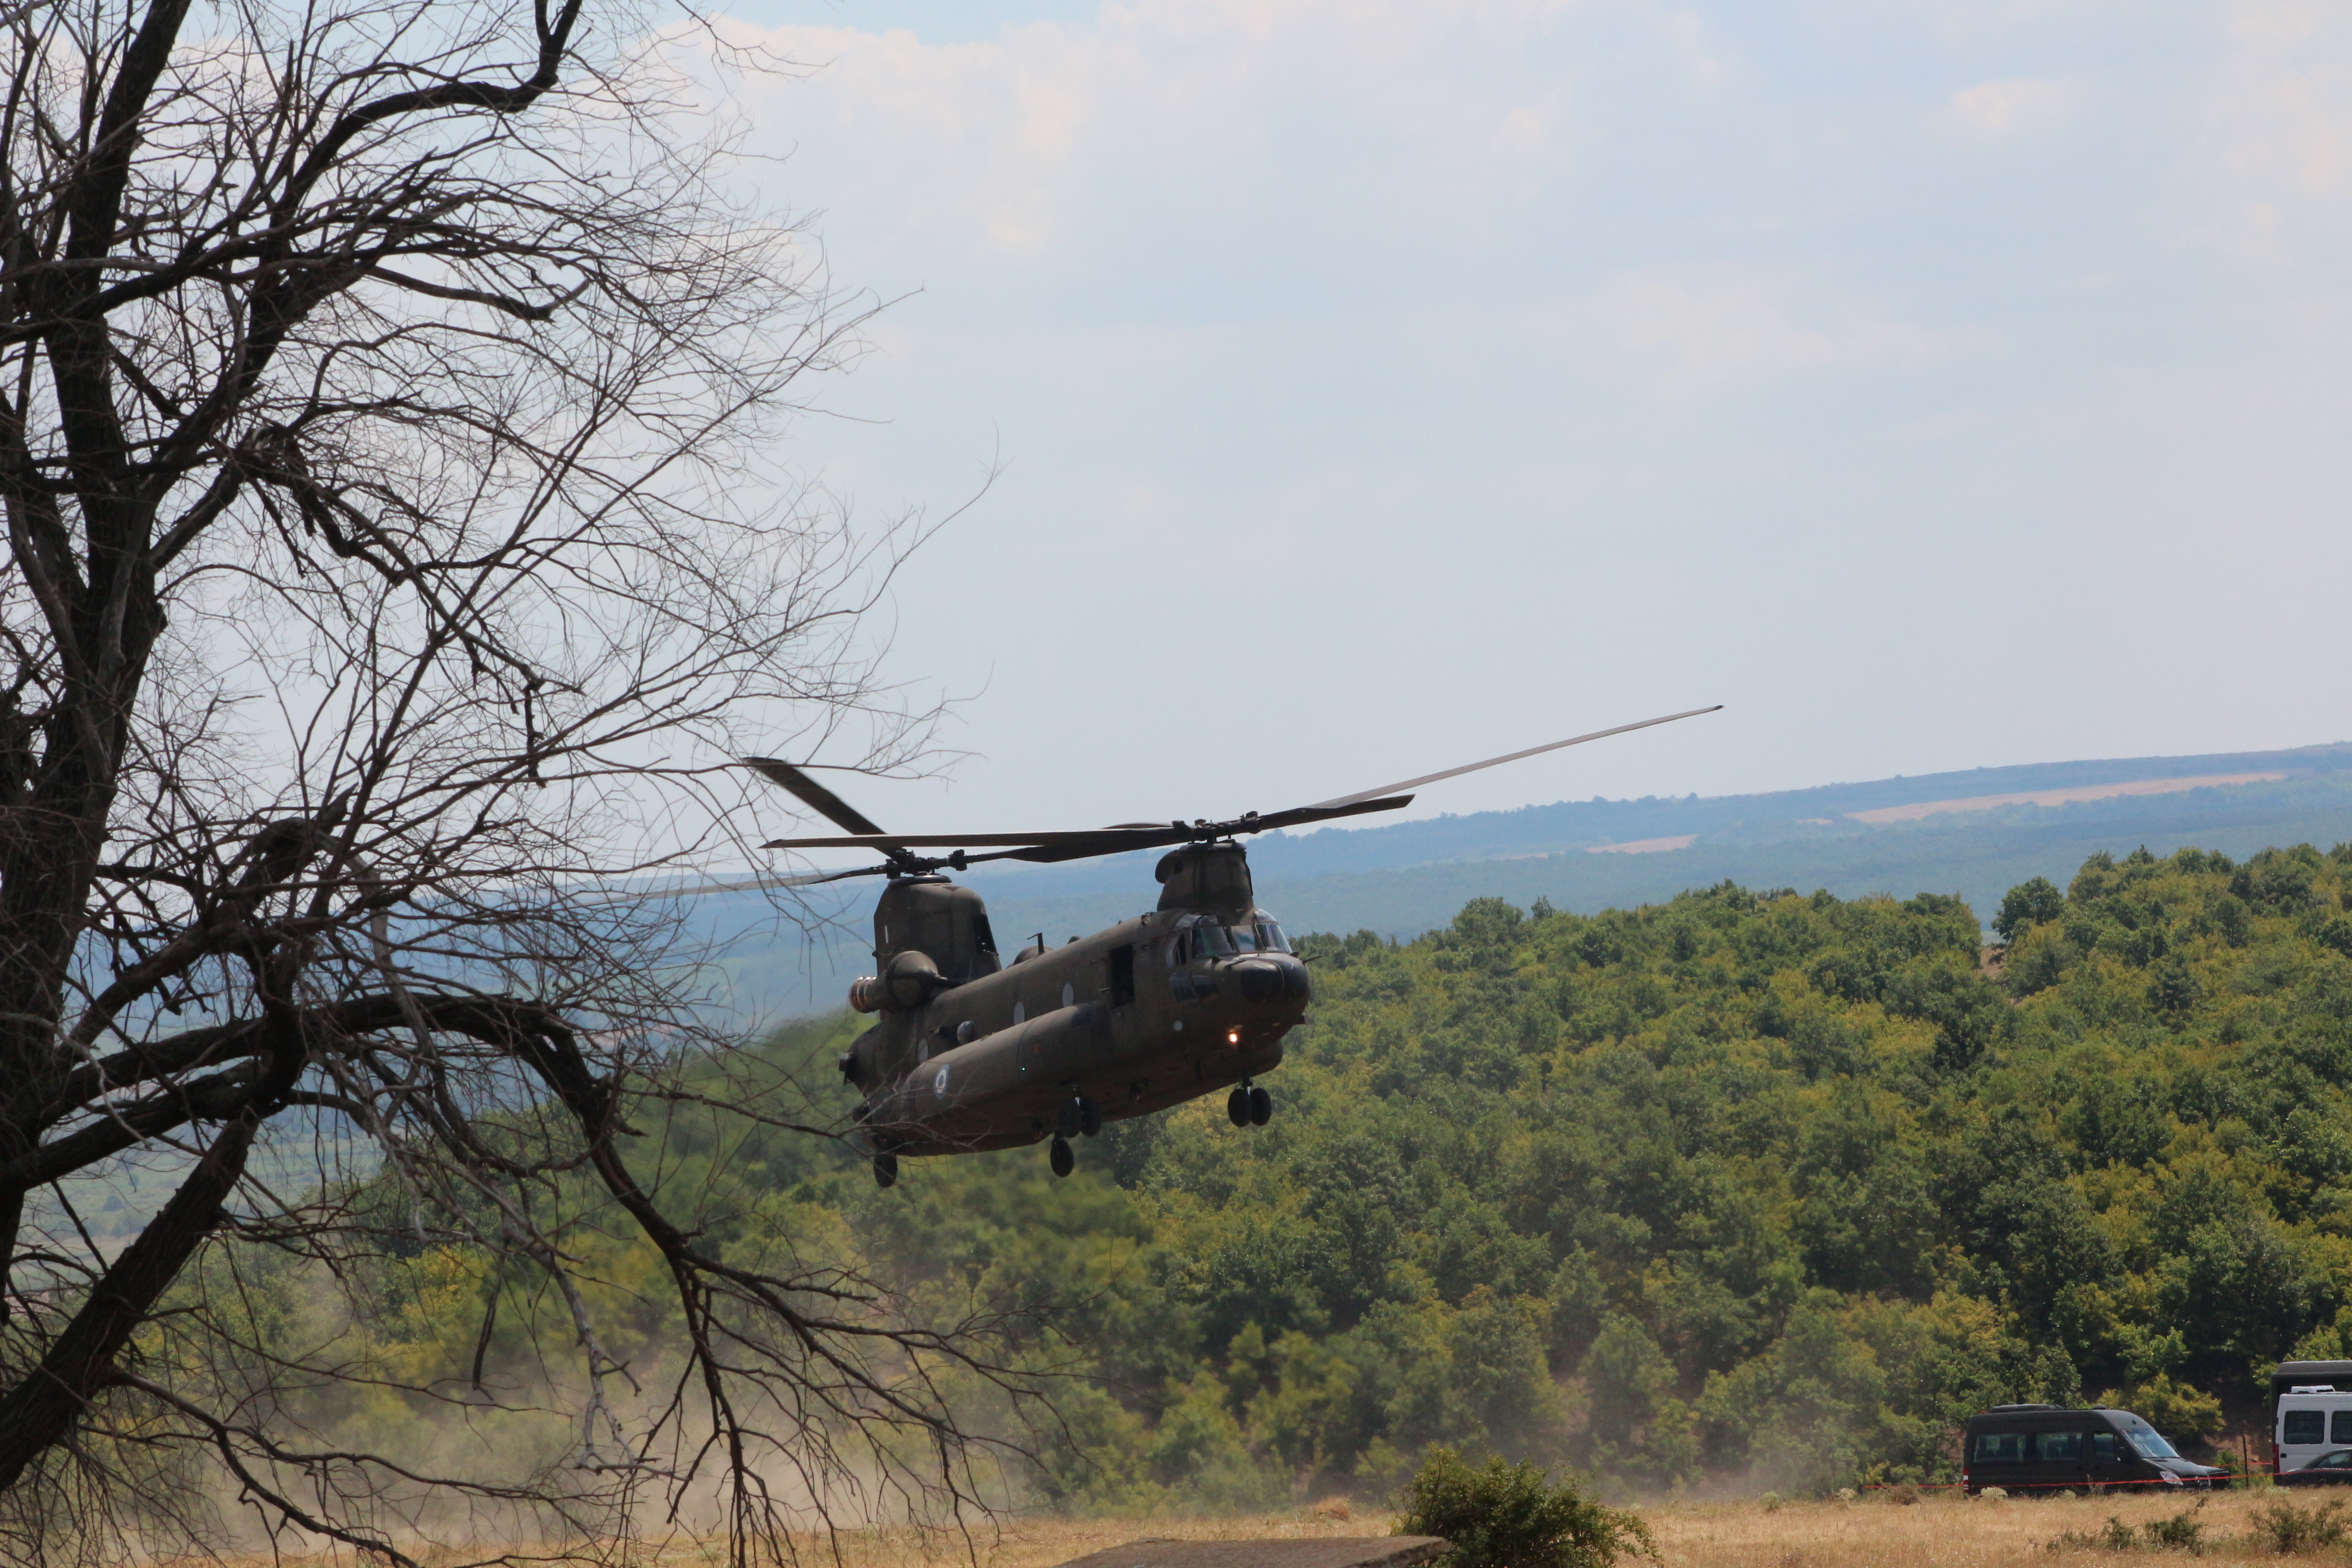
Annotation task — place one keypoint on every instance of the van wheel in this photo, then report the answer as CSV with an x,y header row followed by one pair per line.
x,y
1061,1158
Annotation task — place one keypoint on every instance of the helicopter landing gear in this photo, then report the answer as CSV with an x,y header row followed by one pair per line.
x,y
1261,1107
885,1169
1237,1106
1061,1157
1076,1116
1249,1106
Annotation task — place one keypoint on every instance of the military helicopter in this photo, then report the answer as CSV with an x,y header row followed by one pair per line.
x,y
969,1054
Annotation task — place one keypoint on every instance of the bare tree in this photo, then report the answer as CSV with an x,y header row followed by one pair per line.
x,y
384,386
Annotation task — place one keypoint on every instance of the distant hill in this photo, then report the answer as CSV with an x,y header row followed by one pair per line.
x,y
1931,833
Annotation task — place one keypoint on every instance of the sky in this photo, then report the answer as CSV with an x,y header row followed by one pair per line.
x,y
1374,385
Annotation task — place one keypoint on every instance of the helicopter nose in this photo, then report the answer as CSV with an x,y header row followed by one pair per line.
x,y
1271,980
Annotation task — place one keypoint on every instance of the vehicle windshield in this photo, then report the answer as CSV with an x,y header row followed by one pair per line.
x,y
2146,1439
1270,938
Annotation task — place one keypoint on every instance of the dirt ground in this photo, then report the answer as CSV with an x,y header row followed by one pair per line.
x,y
1940,1532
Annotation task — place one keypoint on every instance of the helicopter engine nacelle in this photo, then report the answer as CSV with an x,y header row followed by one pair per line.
x,y
906,982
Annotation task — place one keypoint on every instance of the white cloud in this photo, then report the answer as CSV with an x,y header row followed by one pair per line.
x,y
2280,128
1735,331
2015,104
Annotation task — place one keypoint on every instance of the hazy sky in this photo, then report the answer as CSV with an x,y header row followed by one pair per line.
x,y
1385,383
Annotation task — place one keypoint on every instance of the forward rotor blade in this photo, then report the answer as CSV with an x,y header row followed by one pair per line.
x,y
811,794
890,841
1299,816
1511,757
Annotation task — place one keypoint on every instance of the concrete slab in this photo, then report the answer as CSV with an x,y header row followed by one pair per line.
x,y
1325,1551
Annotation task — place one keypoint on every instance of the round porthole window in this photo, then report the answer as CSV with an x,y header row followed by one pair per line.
x,y
939,1081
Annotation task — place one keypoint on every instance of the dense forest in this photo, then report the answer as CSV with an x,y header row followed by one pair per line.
x,y
1751,1188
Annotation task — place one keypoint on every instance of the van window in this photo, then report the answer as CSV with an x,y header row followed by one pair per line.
x,y
2339,1427
2145,1437
1997,1448
2303,1427
2065,1446
2103,1446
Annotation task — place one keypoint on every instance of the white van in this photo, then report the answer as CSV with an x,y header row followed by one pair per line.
x,y
2313,1419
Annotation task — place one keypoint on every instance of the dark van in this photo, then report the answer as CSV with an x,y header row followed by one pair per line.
x,y
2047,1448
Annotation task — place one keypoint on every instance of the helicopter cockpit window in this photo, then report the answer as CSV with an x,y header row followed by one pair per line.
x,y
1211,942
1270,938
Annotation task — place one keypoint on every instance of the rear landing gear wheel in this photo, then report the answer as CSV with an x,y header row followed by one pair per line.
x,y
1076,1115
1061,1157
1261,1107
1237,1106
885,1169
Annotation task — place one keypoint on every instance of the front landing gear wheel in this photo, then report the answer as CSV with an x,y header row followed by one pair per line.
x,y
1061,1157
886,1170
1089,1117
1237,1106
1261,1107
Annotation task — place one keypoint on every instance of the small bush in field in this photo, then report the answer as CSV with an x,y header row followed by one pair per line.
x,y
2181,1532
1513,1516
2116,1537
2281,1527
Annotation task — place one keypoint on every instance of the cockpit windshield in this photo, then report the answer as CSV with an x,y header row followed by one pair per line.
x,y
1208,939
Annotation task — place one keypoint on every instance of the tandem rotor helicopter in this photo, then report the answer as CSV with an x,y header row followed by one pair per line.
x,y
969,1054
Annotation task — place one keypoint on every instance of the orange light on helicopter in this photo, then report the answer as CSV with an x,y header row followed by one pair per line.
x,y
1233,1037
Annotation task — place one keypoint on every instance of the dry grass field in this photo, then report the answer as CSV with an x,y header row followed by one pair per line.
x,y
1943,1531
1939,1531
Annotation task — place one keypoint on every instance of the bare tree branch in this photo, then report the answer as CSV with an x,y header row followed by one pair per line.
x,y
389,396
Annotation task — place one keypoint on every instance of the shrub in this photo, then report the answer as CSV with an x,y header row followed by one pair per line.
x,y
2181,1532
2281,1527
1513,1516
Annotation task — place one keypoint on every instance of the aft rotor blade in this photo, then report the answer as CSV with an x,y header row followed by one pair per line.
x,y
811,794
1511,757
1180,833
746,885
1079,843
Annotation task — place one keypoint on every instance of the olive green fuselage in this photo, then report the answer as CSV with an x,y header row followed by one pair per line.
x,y
1154,1010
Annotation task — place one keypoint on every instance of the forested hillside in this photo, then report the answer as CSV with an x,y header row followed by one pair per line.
x,y
1750,1188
